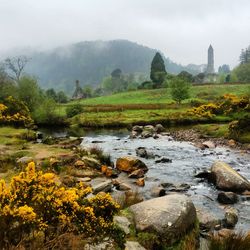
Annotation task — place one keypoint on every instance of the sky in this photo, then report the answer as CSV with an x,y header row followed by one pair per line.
x,y
181,29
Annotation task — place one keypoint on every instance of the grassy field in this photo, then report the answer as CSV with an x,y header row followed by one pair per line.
x,y
147,106
156,96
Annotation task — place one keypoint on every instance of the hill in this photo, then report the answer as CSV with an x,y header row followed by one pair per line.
x,y
90,61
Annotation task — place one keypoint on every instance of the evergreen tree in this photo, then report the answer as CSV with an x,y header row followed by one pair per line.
x,y
158,71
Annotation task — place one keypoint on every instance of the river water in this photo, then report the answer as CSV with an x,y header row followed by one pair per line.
x,y
187,160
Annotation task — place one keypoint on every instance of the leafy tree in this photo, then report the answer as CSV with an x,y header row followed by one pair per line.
x,y
61,97
117,73
30,92
186,76
74,109
179,89
87,91
158,71
51,93
243,72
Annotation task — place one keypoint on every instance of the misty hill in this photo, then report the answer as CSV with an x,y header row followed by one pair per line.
x,y
90,61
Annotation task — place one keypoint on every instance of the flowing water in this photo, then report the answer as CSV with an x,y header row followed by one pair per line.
x,y
187,160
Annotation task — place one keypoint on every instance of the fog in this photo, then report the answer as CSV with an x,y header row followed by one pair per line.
x,y
181,29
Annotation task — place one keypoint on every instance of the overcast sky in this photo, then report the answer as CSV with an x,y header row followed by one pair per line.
x,y
181,29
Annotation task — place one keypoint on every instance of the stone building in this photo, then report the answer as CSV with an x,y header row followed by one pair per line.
x,y
78,93
210,60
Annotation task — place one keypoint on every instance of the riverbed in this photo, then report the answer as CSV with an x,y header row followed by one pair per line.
x,y
187,160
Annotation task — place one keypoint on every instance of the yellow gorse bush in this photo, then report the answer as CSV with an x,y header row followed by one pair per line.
x,y
14,112
35,202
227,104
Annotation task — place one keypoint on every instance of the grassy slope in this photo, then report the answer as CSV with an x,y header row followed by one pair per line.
x,y
163,95
132,107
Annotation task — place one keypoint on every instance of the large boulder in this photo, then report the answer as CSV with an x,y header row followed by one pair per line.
x,y
227,179
169,216
129,164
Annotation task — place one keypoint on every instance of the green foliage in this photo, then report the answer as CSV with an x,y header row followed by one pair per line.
x,y
61,97
30,92
149,240
34,206
46,113
158,71
51,93
187,77
243,72
74,109
179,90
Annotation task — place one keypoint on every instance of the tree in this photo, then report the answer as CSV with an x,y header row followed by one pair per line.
x,y
245,55
179,89
51,93
243,72
30,92
186,76
15,66
158,71
224,69
61,97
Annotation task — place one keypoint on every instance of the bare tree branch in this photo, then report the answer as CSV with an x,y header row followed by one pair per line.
x,y
15,66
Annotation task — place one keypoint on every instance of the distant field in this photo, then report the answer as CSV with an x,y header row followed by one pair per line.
x,y
162,96
147,106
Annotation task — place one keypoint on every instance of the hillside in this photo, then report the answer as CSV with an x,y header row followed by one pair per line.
x,y
90,61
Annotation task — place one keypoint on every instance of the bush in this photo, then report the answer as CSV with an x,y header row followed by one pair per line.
x,y
15,112
35,207
232,241
74,109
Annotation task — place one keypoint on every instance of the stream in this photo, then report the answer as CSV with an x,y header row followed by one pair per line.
x,y
187,160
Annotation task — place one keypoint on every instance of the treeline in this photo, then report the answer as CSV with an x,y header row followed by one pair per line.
x,y
24,89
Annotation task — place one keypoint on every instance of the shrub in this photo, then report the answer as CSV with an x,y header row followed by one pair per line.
x,y
231,241
34,206
15,112
74,109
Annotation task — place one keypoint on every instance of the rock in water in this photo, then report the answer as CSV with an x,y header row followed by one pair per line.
x,y
129,164
227,197
169,216
227,179
159,128
231,217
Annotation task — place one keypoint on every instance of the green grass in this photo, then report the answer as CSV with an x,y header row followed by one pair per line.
x,y
10,135
206,92
123,118
213,130
147,106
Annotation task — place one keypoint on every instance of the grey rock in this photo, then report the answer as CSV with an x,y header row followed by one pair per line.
x,y
105,186
159,128
141,152
169,216
133,245
227,179
24,160
231,217
207,220
91,162
123,223
209,144
158,191
137,128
